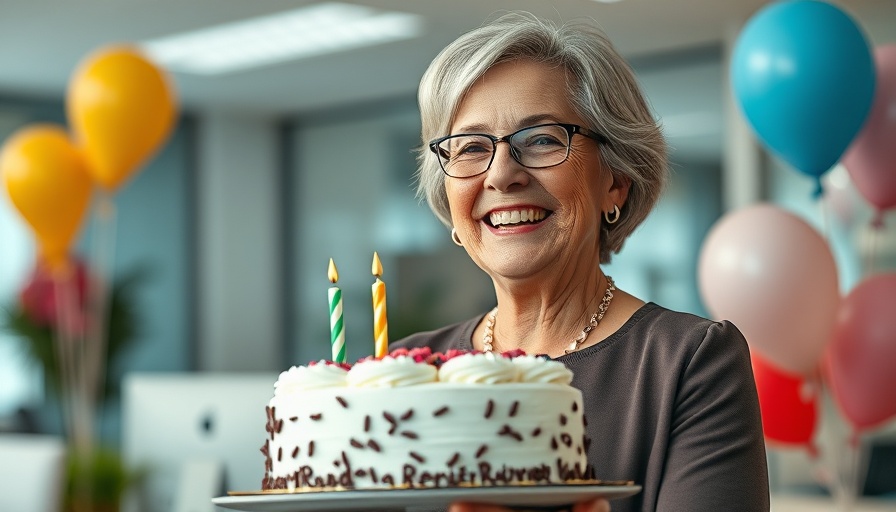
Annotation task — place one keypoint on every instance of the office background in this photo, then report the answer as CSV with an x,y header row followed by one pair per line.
x,y
270,173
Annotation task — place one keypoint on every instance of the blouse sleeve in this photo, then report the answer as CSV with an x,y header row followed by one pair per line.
x,y
716,456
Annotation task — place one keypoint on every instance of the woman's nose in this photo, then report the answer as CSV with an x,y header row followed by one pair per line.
x,y
505,172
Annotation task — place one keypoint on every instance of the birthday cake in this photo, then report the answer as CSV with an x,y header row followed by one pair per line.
x,y
418,419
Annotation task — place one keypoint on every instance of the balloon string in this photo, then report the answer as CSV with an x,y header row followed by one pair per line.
x,y
102,256
825,221
872,235
77,401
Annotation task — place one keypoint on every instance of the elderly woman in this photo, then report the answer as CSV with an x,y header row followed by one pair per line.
x,y
542,156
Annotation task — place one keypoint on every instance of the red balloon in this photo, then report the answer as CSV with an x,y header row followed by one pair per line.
x,y
789,404
861,357
871,159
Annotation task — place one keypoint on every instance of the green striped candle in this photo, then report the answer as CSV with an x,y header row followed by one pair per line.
x,y
337,324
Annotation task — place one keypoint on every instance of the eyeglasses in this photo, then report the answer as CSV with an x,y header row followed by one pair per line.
x,y
536,147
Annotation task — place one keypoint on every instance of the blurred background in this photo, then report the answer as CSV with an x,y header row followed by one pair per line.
x,y
279,163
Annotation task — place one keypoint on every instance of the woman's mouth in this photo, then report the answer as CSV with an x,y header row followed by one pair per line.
x,y
505,218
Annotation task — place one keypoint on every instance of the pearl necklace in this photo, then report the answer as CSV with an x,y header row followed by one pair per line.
x,y
488,336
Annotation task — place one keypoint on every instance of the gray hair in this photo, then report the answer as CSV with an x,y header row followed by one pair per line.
x,y
603,91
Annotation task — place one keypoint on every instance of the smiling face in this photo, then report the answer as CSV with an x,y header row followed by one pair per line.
x,y
517,222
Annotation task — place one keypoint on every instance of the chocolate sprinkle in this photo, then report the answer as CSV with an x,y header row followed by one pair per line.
x,y
536,432
373,444
342,402
489,408
507,431
317,416
553,443
293,418
453,460
360,473
279,454
563,419
310,448
567,440
482,449
513,408
575,407
367,423
295,452
357,444
410,435
407,415
440,411
419,458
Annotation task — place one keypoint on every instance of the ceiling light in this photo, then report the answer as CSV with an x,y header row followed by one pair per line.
x,y
309,31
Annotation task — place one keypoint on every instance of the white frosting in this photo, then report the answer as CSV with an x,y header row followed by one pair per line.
x,y
479,419
436,428
539,369
391,372
303,378
478,369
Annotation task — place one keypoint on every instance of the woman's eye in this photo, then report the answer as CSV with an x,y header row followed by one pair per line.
x,y
472,148
543,140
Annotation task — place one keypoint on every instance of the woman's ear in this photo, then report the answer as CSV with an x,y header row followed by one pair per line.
x,y
618,193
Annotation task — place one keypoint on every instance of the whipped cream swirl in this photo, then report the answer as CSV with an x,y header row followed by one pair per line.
x,y
539,369
478,369
391,372
302,378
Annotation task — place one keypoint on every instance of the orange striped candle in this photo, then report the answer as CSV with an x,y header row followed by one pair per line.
x,y
380,325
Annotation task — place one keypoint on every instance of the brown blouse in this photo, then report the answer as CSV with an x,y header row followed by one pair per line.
x,y
671,404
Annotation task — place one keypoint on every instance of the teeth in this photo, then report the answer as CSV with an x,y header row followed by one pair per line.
x,y
516,216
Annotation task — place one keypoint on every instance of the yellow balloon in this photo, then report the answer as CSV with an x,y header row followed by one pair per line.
x,y
47,180
121,108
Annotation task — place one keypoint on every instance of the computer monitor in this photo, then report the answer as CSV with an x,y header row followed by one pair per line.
x,y
172,422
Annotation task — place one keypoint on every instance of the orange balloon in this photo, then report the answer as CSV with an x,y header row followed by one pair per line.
x,y
47,180
121,108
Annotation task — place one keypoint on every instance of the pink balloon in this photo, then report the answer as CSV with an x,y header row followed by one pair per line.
x,y
775,278
871,159
861,359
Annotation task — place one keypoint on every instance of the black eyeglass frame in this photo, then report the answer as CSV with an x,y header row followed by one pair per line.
x,y
571,129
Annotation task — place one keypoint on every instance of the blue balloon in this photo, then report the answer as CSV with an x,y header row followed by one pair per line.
x,y
804,75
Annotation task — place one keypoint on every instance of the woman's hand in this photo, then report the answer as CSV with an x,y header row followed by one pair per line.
x,y
598,505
